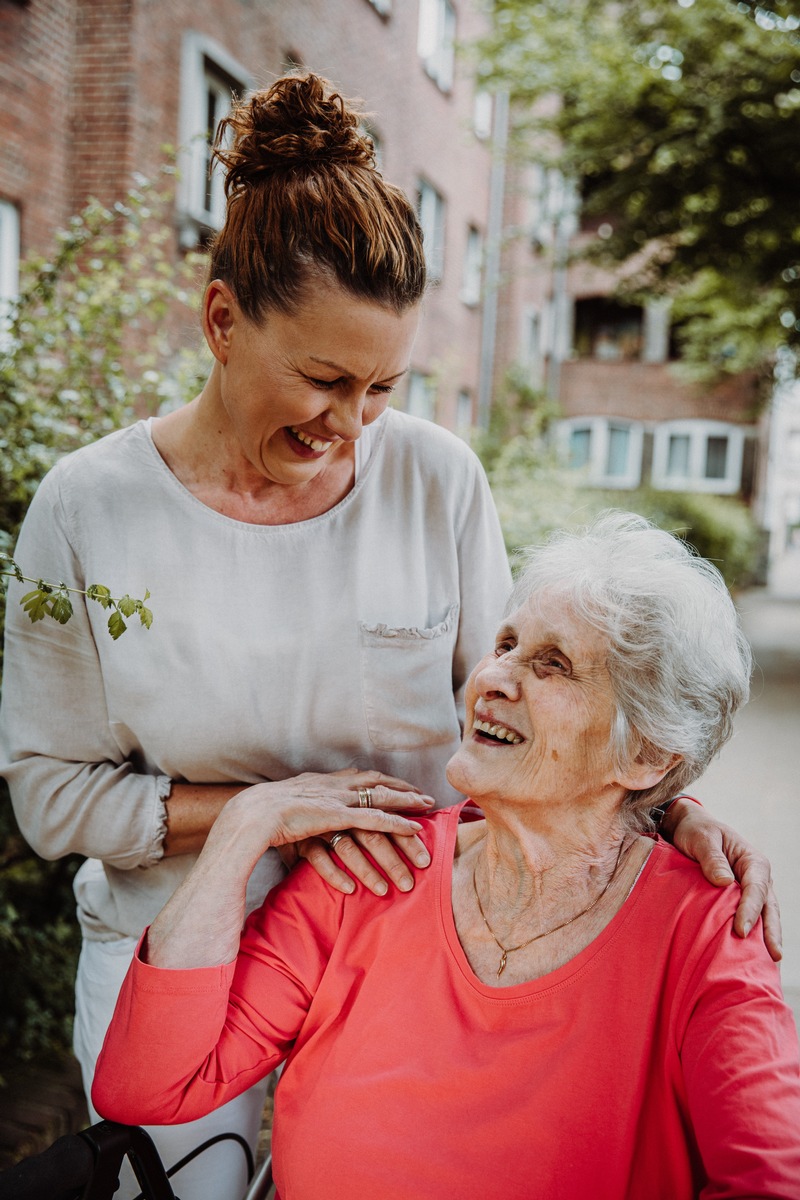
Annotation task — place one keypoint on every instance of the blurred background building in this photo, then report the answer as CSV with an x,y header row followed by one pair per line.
x,y
93,90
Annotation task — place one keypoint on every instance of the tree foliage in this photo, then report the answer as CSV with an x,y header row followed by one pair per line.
x,y
679,120
87,344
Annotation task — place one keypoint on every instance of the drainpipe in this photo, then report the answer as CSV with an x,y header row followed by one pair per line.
x,y
494,239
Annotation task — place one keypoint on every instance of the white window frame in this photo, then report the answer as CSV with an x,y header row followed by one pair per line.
x,y
694,479
9,263
472,279
421,400
431,210
436,41
203,62
600,429
482,114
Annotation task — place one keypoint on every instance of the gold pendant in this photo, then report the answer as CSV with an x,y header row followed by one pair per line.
x,y
502,966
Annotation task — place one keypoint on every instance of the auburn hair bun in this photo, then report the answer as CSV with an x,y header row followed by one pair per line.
x,y
297,124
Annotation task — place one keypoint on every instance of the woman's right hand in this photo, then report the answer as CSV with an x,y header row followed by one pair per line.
x,y
309,806
371,856
201,923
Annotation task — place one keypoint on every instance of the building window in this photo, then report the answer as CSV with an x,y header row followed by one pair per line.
x,y
607,330
9,267
482,115
422,395
700,456
473,267
430,209
464,413
608,451
9,259
436,40
210,78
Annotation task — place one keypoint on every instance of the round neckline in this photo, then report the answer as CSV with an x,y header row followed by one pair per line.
x,y
379,426
553,980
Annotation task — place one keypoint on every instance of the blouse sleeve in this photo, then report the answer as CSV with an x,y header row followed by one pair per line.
x,y
181,1043
740,1057
72,789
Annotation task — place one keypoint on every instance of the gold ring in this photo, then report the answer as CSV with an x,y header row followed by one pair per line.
x,y
365,797
337,837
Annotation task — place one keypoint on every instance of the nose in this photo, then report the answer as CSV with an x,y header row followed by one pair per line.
x,y
498,678
345,416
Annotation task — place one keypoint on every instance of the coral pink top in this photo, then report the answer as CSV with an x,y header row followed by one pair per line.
x,y
661,1062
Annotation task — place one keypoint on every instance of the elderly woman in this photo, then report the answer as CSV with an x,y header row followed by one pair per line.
x,y
558,1008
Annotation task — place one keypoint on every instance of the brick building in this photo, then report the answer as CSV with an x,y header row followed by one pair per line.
x,y
628,418
93,89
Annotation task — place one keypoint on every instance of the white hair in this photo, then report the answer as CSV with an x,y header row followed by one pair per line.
x,y
678,660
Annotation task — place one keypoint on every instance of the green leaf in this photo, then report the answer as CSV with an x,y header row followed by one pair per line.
x,y
146,617
127,606
61,610
101,594
116,625
36,604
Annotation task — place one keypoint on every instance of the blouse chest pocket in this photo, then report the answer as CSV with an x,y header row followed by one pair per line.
x,y
407,677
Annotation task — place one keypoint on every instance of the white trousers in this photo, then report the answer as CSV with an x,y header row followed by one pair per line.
x,y
219,1173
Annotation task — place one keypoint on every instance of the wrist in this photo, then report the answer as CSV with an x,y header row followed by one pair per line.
x,y
672,812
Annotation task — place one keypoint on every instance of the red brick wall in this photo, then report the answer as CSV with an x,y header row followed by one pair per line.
x,y
105,94
36,59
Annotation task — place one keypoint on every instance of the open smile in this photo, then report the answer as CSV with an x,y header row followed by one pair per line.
x,y
305,445
485,731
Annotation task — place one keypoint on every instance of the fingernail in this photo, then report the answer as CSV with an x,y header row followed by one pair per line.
x,y
349,887
381,889
746,928
423,859
405,884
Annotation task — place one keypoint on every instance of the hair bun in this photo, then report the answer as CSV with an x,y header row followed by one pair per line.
x,y
296,123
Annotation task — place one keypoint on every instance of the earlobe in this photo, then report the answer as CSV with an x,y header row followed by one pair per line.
x,y
640,775
219,312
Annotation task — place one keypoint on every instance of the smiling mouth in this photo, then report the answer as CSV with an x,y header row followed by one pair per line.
x,y
319,447
497,733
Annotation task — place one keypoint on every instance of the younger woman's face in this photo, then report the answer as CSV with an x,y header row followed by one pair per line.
x,y
298,388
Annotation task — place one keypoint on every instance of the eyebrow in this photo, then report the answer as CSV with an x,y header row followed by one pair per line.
x,y
326,362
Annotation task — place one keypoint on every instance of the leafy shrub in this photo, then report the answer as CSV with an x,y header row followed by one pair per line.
x,y
39,944
93,341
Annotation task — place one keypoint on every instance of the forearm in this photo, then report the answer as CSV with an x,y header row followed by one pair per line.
x,y
201,924
192,808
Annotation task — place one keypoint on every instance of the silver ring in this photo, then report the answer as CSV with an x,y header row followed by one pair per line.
x,y
365,797
337,837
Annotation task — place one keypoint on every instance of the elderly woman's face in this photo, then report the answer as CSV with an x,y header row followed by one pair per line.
x,y
539,713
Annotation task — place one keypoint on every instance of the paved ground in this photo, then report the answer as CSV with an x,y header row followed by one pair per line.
x,y
755,783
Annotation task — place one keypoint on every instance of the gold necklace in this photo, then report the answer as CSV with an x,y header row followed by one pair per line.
x,y
506,950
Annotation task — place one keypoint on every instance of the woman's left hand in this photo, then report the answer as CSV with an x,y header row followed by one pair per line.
x,y
724,856
372,858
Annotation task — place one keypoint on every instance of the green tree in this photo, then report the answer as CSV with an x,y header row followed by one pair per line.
x,y
679,121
